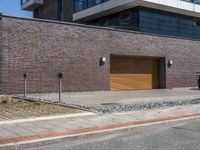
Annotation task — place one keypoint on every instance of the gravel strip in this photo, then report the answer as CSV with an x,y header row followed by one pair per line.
x,y
143,106
113,108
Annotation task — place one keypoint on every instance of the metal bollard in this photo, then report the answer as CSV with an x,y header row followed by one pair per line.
x,y
25,86
60,76
199,82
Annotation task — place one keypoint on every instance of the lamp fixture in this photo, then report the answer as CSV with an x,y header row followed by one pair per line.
x,y
170,63
103,60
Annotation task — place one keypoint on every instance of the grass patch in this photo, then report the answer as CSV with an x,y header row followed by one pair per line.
x,y
11,108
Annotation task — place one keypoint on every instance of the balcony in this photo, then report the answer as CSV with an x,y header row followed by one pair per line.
x,y
31,4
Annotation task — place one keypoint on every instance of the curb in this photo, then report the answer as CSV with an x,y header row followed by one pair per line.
x,y
55,137
46,118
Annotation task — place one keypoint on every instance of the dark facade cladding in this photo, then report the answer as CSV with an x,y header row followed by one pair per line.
x,y
42,49
60,10
138,19
152,21
80,5
165,23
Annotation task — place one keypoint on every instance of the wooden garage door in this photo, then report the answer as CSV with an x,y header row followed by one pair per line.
x,y
130,73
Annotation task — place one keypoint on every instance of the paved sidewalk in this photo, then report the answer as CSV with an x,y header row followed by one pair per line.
x,y
121,97
14,133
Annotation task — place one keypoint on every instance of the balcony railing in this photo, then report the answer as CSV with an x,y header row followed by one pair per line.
x,y
31,4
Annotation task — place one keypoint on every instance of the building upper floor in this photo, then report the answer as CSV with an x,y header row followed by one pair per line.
x,y
85,10
179,18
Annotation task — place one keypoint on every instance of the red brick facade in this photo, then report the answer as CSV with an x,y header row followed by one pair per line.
x,y
42,49
49,10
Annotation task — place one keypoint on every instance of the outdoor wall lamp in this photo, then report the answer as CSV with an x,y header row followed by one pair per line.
x,y
170,63
103,60
60,75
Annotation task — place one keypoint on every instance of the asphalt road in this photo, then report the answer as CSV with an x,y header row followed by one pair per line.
x,y
177,136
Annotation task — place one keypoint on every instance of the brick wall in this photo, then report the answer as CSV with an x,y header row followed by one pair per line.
x,y
184,53
42,49
1,52
50,10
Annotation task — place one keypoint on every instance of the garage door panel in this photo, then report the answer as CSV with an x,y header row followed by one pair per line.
x,y
126,82
129,73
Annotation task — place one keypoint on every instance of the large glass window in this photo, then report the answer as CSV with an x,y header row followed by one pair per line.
x,y
80,5
60,10
193,1
197,1
93,2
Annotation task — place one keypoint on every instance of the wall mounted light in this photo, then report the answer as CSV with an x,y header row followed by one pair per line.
x,y
103,60
60,75
170,63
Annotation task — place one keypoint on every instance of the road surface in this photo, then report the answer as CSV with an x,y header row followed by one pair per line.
x,y
177,136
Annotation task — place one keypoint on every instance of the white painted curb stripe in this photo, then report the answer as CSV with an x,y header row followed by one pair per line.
x,y
45,118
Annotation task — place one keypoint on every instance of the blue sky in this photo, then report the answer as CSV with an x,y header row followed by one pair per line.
x,y
12,8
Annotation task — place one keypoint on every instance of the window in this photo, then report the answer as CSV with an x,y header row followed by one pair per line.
x,y
36,13
125,16
80,5
192,1
93,2
104,21
197,22
60,10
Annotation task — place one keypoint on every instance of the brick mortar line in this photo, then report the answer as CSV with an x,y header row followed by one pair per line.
x,y
93,129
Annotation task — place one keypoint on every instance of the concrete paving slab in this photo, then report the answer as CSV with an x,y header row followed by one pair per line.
x,y
121,97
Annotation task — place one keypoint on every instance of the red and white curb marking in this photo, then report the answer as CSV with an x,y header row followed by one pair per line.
x,y
93,130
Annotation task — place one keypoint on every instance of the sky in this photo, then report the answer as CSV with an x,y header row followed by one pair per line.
x,y
12,8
